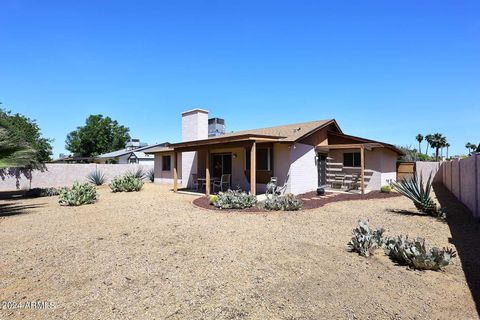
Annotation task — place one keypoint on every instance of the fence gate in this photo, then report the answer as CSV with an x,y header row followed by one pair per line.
x,y
405,170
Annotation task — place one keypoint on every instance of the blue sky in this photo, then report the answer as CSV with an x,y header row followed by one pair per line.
x,y
386,70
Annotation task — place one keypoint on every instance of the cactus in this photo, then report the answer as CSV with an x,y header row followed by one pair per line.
x,y
419,193
77,195
415,254
286,202
365,240
126,183
234,199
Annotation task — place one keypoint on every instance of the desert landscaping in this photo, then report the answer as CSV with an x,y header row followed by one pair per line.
x,y
153,254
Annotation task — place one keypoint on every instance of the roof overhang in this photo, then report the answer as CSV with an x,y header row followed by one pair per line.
x,y
224,141
364,142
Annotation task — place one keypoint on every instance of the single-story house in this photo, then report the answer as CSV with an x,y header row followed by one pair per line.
x,y
129,155
302,156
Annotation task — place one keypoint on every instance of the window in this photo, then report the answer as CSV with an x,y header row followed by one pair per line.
x,y
166,163
264,159
351,159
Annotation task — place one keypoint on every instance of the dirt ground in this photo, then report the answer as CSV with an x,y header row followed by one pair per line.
x,y
153,255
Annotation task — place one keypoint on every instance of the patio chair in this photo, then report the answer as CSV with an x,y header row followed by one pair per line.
x,y
223,183
355,183
338,181
195,183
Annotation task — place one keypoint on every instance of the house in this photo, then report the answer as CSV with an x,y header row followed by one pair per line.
x,y
133,153
302,156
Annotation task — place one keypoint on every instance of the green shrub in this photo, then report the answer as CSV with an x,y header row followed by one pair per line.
x,y
43,192
415,254
385,189
126,183
235,199
286,202
419,193
212,199
365,240
151,175
138,174
96,177
79,194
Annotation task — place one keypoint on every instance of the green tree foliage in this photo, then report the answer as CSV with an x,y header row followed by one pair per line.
x,y
98,135
14,152
27,131
419,138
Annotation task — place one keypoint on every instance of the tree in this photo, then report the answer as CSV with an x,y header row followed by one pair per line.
x,y
471,147
428,138
478,148
447,145
98,135
14,152
28,131
437,141
419,138
468,146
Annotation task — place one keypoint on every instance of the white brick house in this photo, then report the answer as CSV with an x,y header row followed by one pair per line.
x,y
302,156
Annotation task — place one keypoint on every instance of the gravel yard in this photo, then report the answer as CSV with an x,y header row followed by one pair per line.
x,y
153,255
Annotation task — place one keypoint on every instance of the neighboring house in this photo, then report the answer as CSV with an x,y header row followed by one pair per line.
x,y
134,153
303,156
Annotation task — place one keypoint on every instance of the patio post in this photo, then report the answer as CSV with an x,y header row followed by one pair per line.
x,y
253,169
207,173
175,175
362,167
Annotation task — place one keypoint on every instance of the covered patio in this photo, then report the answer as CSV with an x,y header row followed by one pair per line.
x,y
234,158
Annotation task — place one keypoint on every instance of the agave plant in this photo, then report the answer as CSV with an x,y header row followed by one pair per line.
x,y
151,175
139,174
365,240
415,254
419,193
96,177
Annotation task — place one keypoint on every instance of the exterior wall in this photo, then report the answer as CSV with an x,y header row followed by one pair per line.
x,y
167,176
380,166
281,165
462,178
426,168
303,169
389,167
60,175
238,167
194,127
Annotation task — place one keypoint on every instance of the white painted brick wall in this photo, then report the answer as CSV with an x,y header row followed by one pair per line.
x,y
194,127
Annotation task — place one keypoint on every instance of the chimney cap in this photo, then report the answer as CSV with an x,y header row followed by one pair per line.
x,y
196,110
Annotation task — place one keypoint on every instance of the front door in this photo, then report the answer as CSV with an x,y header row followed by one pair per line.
x,y
322,169
222,164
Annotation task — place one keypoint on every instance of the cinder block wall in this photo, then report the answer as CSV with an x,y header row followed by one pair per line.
x,y
60,175
462,178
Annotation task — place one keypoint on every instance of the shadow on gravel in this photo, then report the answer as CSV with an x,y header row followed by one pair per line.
x,y
465,232
11,209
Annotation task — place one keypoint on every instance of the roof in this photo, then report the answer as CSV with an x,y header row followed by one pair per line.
x,y
363,140
285,133
122,152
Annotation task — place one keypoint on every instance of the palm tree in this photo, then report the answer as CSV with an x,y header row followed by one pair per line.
x,y
419,138
437,142
13,151
428,138
448,146
473,147
468,146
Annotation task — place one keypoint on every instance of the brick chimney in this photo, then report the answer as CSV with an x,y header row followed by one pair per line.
x,y
194,127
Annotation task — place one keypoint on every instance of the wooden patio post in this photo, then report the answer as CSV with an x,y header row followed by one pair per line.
x,y
253,169
175,175
207,173
362,167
